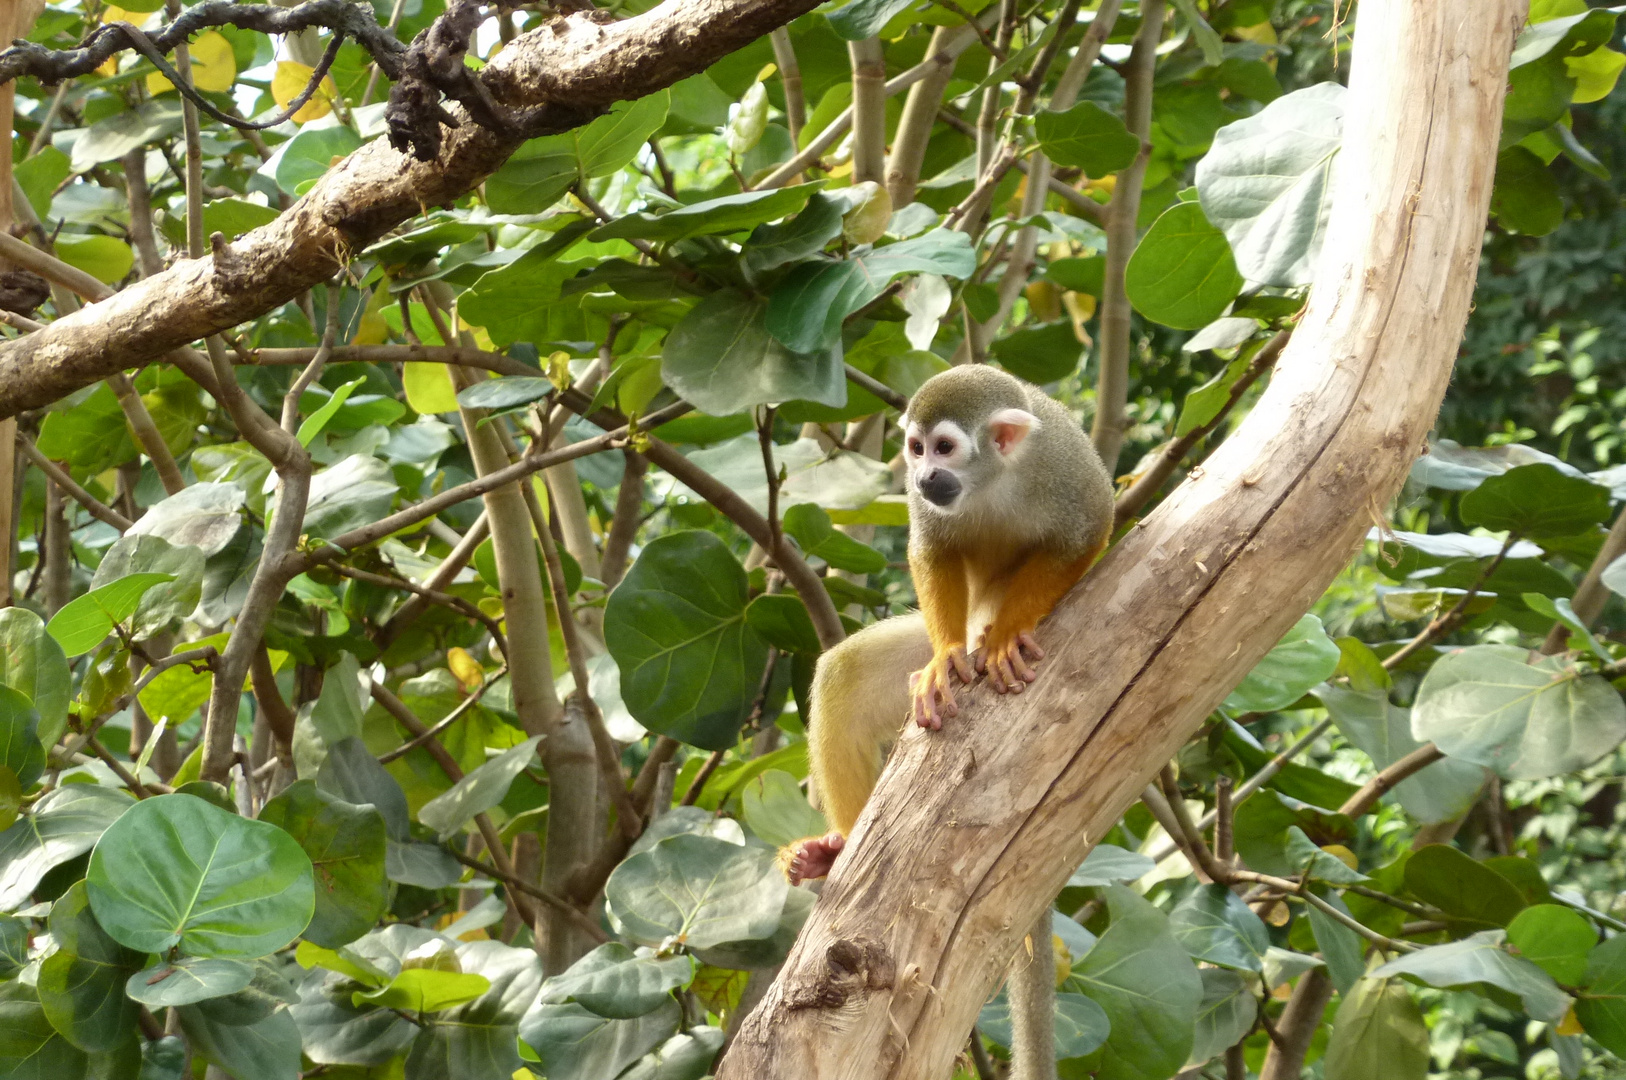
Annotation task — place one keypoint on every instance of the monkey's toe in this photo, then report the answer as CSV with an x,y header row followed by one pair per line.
x,y
814,857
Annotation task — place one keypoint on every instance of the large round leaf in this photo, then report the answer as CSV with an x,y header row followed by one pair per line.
x,y
1537,501
1461,886
167,601
1080,1025
1226,1014
177,871
204,516
1182,273
575,1044
20,749
1602,1005
722,358
1265,181
30,1048
1482,959
81,985
690,665
699,890
1486,705
1303,658
1086,136
477,1041
1555,939
1213,924
346,844
32,662
1379,1031
64,824
616,982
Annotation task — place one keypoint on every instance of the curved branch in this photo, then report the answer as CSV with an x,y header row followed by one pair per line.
x,y
918,918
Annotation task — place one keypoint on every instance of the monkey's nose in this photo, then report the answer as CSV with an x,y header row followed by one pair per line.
x,y
939,486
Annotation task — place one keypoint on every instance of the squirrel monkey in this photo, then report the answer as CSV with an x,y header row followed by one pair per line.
x,y
1009,504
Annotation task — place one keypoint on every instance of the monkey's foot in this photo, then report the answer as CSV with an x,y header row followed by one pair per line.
x,y
1002,658
931,688
813,857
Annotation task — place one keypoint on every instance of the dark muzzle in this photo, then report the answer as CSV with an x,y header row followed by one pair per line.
x,y
939,486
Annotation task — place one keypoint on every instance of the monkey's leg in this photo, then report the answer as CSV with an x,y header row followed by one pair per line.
x,y
859,701
1030,594
940,585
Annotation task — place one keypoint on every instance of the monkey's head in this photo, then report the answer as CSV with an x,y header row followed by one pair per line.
x,y
965,427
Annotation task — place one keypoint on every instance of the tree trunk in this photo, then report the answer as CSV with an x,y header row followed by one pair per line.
x,y
973,829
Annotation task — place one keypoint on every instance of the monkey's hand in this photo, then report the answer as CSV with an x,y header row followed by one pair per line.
x,y
931,693
1005,655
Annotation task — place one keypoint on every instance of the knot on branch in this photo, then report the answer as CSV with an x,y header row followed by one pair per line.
x,y
21,291
852,967
231,272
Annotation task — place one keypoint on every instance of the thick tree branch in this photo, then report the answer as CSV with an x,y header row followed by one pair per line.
x,y
920,916
577,60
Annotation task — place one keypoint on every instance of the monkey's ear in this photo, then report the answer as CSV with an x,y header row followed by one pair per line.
x,y
1008,427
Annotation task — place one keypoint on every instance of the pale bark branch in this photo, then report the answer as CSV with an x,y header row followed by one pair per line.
x,y
59,476
917,920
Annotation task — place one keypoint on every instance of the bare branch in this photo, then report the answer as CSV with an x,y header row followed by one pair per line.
x,y
59,476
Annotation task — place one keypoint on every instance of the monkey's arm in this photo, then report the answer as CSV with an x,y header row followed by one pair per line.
x,y
940,585
1032,592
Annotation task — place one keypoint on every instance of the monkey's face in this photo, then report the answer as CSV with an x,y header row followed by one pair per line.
x,y
950,467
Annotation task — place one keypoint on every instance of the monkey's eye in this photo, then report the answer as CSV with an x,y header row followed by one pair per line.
x,y
916,448
945,447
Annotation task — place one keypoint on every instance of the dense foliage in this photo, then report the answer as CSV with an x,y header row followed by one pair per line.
x,y
502,792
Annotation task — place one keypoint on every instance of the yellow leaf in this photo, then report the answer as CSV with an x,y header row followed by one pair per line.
x,y
429,388
374,329
1570,1025
138,19
214,66
1594,74
466,668
290,81
1342,854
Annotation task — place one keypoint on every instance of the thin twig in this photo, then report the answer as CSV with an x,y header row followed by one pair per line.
x,y
698,784
59,476
570,911
462,709
1375,788
1442,625
313,370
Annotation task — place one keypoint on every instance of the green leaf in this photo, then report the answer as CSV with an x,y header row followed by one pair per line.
x,y
506,392
478,791
1086,136
1458,885
166,602
616,982
104,258
1484,704
1538,502
1205,402
114,137
685,1056
1481,959
1341,947
20,749
64,824
1148,987
91,436
424,990
1213,924
85,620
232,217
177,871
1559,610
783,622
1265,183
1601,1008
477,1041
1108,864
13,946
544,169
1182,273
81,985
699,890
1303,658
30,1048
1525,198
205,516
807,308
690,666
810,527
267,1050
1080,1025
316,421
861,19
1555,939
355,492
1225,1015
712,217
575,1044
1379,1031
722,358
303,159
188,980
346,844
39,175
32,663
1270,837
1041,354
1442,791
774,807
772,246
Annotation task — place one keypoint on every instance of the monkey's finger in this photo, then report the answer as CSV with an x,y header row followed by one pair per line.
x,y
1026,643
962,665
1020,665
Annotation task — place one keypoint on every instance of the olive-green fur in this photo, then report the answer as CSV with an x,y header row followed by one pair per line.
x,y
1053,493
